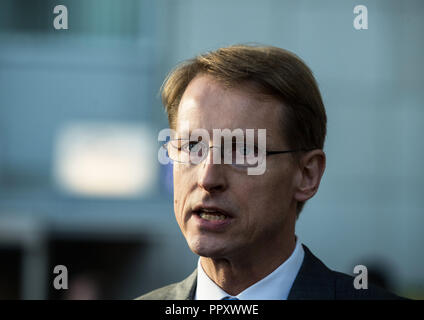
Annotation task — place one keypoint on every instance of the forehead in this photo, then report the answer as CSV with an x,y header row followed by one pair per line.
x,y
208,104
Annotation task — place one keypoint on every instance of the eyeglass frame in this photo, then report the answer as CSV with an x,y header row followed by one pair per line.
x,y
267,153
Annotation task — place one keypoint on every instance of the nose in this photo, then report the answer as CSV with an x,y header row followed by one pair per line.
x,y
212,177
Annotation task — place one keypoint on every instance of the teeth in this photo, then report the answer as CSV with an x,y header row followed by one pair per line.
x,y
212,217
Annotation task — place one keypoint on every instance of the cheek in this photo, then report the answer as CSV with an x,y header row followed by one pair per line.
x,y
273,190
183,183
178,191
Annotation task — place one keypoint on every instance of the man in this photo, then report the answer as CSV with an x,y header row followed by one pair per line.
x,y
243,225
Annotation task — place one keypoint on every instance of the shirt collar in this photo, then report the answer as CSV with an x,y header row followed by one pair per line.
x,y
275,286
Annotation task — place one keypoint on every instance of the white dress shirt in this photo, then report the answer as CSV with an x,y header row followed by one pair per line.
x,y
275,286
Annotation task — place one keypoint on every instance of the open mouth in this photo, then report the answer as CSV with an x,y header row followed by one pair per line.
x,y
211,214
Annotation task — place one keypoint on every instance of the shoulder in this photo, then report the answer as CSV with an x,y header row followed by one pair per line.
x,y
164,293
316,281
183,290
345,290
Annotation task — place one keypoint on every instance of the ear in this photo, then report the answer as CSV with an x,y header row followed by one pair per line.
x,y
311,169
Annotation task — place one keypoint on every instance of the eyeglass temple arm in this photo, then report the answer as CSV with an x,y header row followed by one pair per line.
x,y
288,151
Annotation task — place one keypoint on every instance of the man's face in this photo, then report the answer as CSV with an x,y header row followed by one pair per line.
x,y
257,208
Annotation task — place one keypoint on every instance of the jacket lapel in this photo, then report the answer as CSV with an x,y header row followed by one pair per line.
x,y
314,280
186,289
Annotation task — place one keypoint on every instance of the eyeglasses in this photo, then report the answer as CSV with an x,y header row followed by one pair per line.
x,y
238,154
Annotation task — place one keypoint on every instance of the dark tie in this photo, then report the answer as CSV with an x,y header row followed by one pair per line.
x,y
229,298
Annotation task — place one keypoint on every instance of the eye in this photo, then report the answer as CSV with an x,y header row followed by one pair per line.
x,y
191,146
244,150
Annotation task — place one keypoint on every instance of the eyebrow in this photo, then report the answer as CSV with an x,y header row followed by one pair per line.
x,y
179,134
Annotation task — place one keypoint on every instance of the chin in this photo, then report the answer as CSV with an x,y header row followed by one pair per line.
x,y
206,248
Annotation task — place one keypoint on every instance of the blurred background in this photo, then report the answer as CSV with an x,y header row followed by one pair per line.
x,y
80,183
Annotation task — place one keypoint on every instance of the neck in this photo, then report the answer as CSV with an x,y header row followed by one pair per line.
x,y
237,273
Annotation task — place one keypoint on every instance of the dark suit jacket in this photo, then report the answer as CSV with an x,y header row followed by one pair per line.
x,y
314,281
